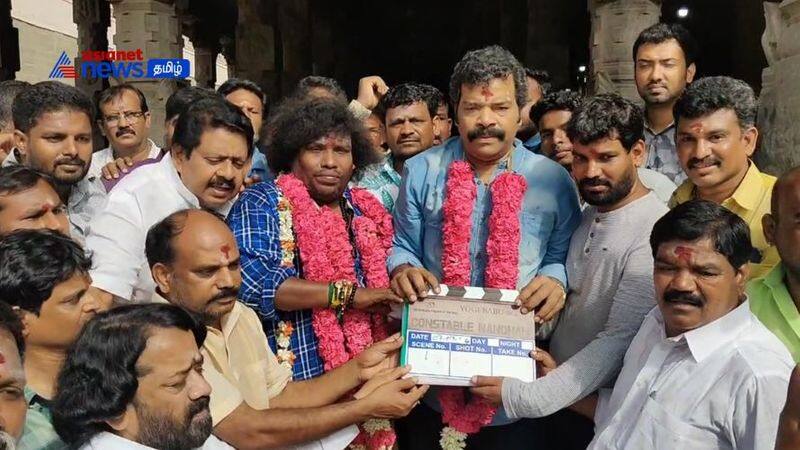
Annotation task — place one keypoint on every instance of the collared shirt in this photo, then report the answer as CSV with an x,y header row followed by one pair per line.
x,y
720,386
86,200
109,441
240,366
381,180
771,302
38,432
260,167
102,158
657,182
662,155
255,224
116,239
550,214
750,201
534,143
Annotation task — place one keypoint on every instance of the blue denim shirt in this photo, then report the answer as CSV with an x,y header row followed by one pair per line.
x,y
260,167
550,214
534,144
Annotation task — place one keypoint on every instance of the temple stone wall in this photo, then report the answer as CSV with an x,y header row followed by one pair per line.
x,y
779,104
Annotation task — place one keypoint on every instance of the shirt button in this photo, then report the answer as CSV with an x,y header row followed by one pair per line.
x,y
597,220
591,234
586,251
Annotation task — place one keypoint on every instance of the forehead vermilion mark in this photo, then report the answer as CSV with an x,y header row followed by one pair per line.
x,y
2,358
225,250
683,253
697,127
486,93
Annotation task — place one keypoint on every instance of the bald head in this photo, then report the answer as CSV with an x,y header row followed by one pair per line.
x,y
786,190
195,263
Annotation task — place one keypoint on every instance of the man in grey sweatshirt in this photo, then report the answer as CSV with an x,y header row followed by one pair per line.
x,y
609,267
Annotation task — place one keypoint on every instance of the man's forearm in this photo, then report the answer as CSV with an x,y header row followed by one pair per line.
x,y
247,428
295,294
319,391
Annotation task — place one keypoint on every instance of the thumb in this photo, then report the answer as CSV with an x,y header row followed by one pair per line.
x,y
480,380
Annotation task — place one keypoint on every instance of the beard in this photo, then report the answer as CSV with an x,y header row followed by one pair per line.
x,y
166,433
7,442
614,194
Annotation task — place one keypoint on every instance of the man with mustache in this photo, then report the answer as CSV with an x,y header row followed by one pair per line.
x,y
664,63
702,372
487,91
54,135
716,136
44,276
610,269
210,156
125,121
134,381
411,124
254,404
28,200
552,114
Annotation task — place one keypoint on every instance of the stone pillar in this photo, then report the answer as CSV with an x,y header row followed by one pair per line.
x,y
294,31
779,104
150,25
206,48
9,43
615,26
256,58
92,18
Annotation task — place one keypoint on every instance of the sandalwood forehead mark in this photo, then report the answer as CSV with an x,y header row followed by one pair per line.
x,y
683,253
2,358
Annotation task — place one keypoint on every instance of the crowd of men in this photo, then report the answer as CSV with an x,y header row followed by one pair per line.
x,y
176,297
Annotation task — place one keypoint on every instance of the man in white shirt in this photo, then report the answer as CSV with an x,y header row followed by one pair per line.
x,y
125,121
53,134
210,156
134,380
702,372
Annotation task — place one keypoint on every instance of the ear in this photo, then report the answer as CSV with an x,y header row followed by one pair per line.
x,y
124,421
163,277
638,152
26,318
768,224
690,72
147,119
742,274
21,143
750,137
178,156
101,128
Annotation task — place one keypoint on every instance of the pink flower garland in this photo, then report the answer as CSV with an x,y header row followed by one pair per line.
x,y
502,271
326,252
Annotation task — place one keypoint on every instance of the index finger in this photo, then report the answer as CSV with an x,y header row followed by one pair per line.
x,y
431,280
417,393
530,288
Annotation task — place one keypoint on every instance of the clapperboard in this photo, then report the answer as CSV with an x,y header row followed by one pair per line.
x,y
467,331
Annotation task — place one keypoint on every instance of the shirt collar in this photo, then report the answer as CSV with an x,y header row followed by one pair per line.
x,y
110,440
707,339
650,130
172,173
230,320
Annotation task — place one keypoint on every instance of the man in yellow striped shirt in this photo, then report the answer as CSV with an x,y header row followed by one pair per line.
x,y
715,138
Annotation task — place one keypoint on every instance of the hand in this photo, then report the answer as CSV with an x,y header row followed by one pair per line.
x,y
412,283
394,399
381,378
370,91
544,362
789,425
490,388
249,181
113,169
379,357
368,298
544,295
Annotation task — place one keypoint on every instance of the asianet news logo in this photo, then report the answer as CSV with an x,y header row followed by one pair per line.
x,y
119,64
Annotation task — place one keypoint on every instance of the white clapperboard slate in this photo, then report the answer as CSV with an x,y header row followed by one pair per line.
x,y
467,331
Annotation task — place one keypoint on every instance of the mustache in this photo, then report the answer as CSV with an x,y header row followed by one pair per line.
x,y
198,406
593,182
70,160
219,182
481,131
226,293
683,297
126,130
694,162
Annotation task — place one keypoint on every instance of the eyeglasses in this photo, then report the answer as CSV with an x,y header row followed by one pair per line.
x,y
129,116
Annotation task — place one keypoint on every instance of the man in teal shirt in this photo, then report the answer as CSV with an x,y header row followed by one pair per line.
x,y
774,299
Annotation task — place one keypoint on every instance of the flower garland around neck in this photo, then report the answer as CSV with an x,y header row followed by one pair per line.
x,y
460,416
322,238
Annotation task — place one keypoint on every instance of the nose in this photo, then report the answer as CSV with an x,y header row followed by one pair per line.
x,y
560,137
592,169
94,303
225,278
122,121
486,117
328,159
683,281
70,147
51,221
226,170
406,129
199,386
657,73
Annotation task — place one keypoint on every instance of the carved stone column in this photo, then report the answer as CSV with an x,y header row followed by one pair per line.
x,y
9,43
92,18
256,57
779,104
615,26
206,45
153,26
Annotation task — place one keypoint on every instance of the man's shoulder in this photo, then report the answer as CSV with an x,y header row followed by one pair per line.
x,y
145,179
264,192
433,157
760,354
